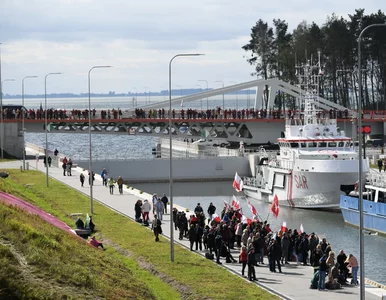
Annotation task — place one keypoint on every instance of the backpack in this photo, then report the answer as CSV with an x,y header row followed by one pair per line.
x,y
209,255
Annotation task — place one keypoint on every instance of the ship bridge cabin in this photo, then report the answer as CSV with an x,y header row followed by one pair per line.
x,y
318,148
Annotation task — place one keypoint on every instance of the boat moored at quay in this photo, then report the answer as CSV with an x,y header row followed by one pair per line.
x,y
374,204
316,160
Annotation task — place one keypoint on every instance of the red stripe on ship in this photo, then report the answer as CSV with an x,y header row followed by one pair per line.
x,y
289,192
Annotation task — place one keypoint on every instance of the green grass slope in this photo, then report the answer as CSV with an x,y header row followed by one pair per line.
x,y
133,267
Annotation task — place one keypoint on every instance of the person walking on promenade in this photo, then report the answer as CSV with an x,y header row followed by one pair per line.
x,y
120,185
251,264
111,185
182,224
104,177
154,200
353,263
285,243
44,161
81,179
69,166
159,209
165,201
146,207
211,211
243,259
138,210
199,234
64,165
49,160
192,236
56,152
91,177
156,227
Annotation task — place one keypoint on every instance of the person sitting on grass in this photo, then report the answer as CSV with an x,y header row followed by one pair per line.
x,y
79,223
94,242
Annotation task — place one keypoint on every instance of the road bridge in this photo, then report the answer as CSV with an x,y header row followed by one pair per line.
x,y
259,126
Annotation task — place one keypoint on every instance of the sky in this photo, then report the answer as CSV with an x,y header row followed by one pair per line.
x,y
138,38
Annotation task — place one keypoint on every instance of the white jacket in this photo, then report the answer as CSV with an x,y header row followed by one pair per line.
x,y
146,206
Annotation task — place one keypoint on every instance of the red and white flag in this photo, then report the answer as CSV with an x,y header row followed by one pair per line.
x,y
216,218
301,229
252,208
227,206
275,206
246,220
284,227
235,203
238,183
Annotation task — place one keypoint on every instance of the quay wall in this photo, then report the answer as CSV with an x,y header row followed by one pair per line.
x,y
157,170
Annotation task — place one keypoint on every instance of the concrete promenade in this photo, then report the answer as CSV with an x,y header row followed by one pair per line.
x,y
293,283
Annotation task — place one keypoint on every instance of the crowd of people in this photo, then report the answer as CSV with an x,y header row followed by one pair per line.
x,y
220,237
188,113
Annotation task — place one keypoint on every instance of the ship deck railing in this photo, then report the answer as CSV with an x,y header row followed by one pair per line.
x,y
376,179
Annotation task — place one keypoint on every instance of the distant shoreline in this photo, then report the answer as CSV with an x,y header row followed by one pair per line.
x,y
175,93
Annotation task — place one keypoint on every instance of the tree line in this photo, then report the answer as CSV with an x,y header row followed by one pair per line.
x,y
274,52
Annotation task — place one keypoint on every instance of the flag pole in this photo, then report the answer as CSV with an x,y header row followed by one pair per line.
x,y
268,215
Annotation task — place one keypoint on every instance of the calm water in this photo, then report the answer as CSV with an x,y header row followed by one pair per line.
x,y
188,194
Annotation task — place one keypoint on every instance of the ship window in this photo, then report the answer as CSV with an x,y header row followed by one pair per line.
x,y
341,144
311,144
294,145
303,145
322,144
332,144
347,144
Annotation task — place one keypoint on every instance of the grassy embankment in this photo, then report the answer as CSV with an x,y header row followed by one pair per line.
x,y
133,267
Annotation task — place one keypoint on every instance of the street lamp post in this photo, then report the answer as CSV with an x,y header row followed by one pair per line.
x,y
89,135
237,99
360,206
23,115
45,117
145,94
134,99
171,152
1,110
223,100
207,102
180,89
199,85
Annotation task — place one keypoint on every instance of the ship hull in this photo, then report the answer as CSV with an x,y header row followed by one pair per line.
x,y
313,190
374,214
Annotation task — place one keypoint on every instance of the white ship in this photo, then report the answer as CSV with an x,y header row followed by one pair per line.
x,y
316,159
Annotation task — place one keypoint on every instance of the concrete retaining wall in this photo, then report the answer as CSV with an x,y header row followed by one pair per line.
x,y
13,139
183,170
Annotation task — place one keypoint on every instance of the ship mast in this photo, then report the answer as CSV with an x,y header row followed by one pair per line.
x,y
309,78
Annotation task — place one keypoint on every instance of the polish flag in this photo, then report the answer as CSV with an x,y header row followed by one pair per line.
x,y
301,229
227,207
252,208
238,183
246,220
235,203
275,206
216,218
284,227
